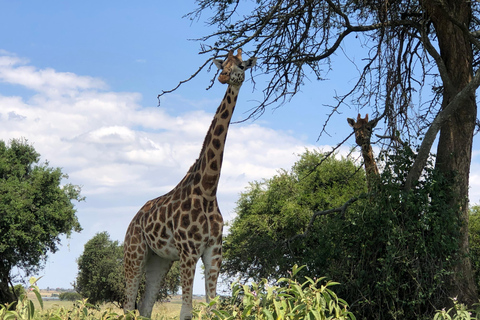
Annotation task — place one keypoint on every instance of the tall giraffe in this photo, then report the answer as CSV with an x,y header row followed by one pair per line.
x,y
185,224
363,133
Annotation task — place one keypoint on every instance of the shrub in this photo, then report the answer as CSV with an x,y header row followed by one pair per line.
x,y
394,252
70,296
458,312
312,299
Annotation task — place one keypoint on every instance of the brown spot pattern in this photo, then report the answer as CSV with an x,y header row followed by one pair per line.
x,y
186,220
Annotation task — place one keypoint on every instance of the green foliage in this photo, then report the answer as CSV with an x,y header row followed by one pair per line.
x,y
290,300
23,309
312,299
395,255
35,209
18,290
271,212
100,272
393,251
70,296
474,241
458,312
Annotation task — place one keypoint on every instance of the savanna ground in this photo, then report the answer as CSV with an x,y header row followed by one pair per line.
x,y
165,310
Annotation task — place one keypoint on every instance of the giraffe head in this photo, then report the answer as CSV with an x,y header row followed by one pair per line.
x,y
362,128
233,68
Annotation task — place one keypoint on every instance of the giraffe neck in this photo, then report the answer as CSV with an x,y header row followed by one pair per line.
x,y
369,161
205,172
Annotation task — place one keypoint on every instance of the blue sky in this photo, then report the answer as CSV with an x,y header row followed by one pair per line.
x,y
80,81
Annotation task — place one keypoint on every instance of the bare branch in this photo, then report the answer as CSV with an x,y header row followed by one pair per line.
x,y
328,154
447,82
184,81
430,135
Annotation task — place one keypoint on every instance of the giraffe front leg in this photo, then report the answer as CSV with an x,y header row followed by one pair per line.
x,y
212,260
187,272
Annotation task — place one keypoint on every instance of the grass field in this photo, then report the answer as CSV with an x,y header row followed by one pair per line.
x,y
161,311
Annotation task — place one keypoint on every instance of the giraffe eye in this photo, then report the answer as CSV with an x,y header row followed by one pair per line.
x,y
241,66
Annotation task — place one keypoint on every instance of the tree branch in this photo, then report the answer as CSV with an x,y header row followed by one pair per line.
x,y
185,81
430,135
442,69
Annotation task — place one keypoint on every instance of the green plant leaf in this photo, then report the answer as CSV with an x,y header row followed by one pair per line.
x,y
268,314
39,297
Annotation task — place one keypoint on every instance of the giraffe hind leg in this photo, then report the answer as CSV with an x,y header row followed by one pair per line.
x,y
134,264
156,269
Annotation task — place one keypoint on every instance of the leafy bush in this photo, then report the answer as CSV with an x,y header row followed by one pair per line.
x,y
271,212
24,309
289,300
394,251
458,312
394,255
474,241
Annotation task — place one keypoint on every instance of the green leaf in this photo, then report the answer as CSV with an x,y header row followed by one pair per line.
x,y
247,310
268,314
39,297
279,309
31,309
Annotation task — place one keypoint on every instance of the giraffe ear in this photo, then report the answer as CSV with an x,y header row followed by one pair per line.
x,y
249,63
218,63
351,122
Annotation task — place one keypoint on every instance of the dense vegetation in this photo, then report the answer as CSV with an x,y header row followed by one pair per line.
x,y
392,250
273,211
100,270
35,210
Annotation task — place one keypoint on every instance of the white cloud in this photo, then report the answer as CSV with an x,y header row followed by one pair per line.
x,y
13,70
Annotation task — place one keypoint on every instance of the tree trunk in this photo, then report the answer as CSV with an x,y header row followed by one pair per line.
x,y
6,295
454,151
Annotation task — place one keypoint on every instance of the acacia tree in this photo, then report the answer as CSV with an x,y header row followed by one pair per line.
x,y
35,209
411,46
